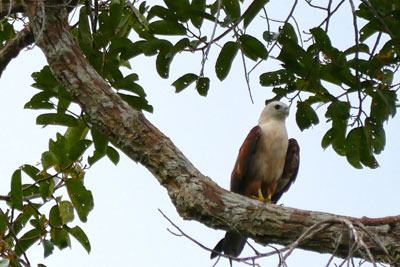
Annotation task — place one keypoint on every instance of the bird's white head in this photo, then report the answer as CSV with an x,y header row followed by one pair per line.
x,y
275,110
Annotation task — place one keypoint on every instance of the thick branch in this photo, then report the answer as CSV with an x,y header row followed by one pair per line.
x,y
13,47
195,196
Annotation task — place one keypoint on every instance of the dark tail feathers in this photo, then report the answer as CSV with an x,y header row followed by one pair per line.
x,y
218,249
232,245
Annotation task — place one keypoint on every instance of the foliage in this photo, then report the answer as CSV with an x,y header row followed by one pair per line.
x,y
356,84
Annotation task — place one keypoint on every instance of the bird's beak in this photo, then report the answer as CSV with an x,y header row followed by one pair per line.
x,y
286,111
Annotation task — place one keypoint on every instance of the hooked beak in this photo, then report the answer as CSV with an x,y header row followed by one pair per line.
x,y
286,111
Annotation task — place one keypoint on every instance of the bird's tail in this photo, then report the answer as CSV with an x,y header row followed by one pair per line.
x,y
218,249
232,245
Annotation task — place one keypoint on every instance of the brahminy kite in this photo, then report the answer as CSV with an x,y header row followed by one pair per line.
x,y
265,168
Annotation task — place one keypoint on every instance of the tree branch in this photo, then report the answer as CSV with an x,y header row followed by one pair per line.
x,y
13,47
195,196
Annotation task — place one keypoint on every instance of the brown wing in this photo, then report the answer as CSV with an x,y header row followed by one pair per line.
x,y
246,152
289,171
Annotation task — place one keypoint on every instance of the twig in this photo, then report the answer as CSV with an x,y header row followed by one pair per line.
x,y
246,74
276,42
208,46
339,239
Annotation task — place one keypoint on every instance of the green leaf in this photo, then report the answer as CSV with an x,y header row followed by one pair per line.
x,y
289,33
31,171
16,190
138,103
336,136
48,247
29,190
353,147
180,7
360,48
60,238
116,15
80,236
46,188
63,105
252,11
165,27
100,140
252,47
276,78
184,81
48,160
60,148
305,116
44,79
153,46
40,101
56,119
128,83
376,133
22,219
81,198
321,39
3,223
27,240
78,149
338,110
74,134
66,211
163,61
270,36
113,155
55,217
366,156
232,9
202,86
84,29
225,59
197,5
96,156
387,76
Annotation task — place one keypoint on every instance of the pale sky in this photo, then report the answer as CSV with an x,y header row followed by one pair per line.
x,y
125,228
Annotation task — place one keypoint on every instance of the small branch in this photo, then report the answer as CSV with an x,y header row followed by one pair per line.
x,y
14,46
208,46
246,74
331,14
276,42
184,234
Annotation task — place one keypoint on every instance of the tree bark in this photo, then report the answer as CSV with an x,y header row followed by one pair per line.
x,y
195,196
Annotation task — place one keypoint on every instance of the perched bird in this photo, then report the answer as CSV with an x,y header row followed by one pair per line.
x,y
265,168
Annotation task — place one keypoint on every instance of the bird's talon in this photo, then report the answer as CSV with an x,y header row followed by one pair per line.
x,y
260,196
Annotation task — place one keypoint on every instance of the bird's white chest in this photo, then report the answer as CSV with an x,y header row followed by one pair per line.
x,y
269,159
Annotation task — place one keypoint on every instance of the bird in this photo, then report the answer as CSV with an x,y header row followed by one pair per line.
x,y
266,166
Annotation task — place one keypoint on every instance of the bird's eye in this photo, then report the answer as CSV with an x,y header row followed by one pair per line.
x,y
277,107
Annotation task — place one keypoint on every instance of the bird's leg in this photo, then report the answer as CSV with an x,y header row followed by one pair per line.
x,y
260,196
270,191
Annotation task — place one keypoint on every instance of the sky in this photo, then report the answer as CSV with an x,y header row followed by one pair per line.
x,y
126,229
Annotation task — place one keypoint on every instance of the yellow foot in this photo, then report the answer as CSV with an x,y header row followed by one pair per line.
x,y
261,197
